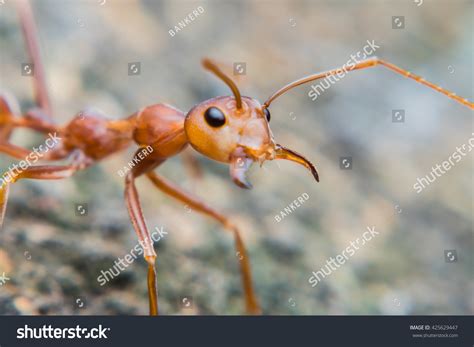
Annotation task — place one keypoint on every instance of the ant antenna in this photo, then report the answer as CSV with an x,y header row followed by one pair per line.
x,y
367,64
209,65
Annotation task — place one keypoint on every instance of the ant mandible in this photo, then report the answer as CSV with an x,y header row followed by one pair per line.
x,y
229,129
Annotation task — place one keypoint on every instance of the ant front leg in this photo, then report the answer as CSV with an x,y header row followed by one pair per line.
x,y
251,303
138,221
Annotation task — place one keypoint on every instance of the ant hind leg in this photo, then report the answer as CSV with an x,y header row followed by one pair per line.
x,y
9,109
40,172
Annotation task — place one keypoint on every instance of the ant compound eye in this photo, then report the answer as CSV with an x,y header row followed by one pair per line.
x,y
214,117
266,112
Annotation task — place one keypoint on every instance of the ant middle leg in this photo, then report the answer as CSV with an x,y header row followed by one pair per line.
x,y
251,303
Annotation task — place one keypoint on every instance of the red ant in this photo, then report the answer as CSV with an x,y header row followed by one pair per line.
x,y
229,129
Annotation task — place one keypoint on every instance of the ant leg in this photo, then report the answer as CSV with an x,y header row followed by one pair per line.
x,y
9,109
34,119
138,221
57,153
38,120
29,32
172,190
14,150
40,172
363,65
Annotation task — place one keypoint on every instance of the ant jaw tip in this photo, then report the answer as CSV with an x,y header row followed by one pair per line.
x,y
315,174
244,185
288,154
242,182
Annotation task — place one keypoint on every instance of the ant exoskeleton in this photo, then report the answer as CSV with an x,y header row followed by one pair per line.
x,y
229,129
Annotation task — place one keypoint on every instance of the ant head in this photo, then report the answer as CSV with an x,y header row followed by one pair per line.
x,y
220,130
235,130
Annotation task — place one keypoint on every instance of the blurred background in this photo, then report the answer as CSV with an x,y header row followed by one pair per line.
x,y
52,255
